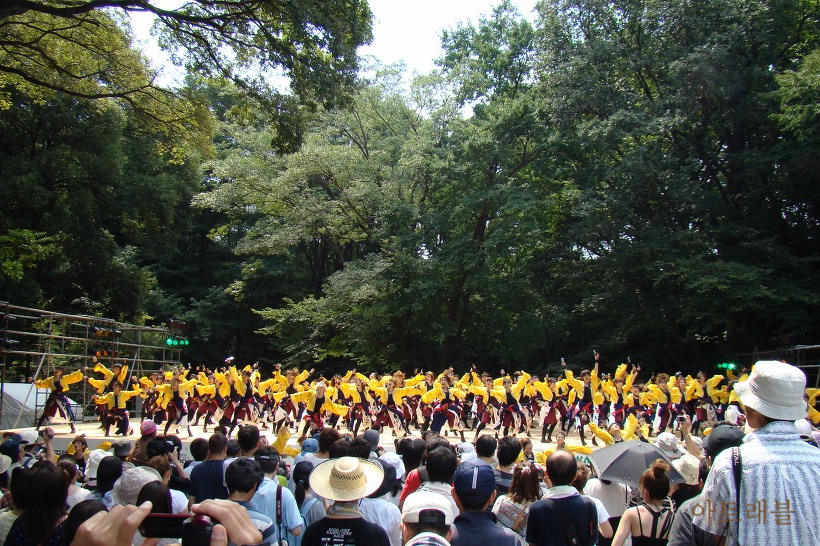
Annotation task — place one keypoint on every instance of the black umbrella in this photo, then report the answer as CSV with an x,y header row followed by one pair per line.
x,y
624,462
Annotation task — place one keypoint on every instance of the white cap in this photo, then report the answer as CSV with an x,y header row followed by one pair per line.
x,y
427,507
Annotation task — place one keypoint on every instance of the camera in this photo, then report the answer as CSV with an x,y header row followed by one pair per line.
x,y
193,530
681,418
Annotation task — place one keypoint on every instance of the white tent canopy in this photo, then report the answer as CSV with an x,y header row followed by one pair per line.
x,y
21,399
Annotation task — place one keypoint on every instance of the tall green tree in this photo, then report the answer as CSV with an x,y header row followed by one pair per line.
x,y
682,233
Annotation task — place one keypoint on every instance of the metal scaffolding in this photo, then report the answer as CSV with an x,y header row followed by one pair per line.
x,y
34,341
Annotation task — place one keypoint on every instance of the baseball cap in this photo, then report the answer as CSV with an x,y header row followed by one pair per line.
x,y
11,449
29,437
122,448
372,436
723,436
474,483
310,445
428,508
148,427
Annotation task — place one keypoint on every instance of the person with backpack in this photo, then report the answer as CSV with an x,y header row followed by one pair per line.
x,y
311,508
563,516
275,500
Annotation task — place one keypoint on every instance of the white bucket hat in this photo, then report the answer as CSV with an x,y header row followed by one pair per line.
x,y
775,390
668,443
93,464
346,479
128,486
688,466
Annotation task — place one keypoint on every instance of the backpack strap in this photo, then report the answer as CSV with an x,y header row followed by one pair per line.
x,y
278,515
570,533
308,505
737,472
424,476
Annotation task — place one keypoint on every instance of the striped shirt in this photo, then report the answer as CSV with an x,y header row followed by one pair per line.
x,y
779,490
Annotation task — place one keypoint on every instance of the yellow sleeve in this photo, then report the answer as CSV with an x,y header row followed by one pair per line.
x,y
712,383
107,374
277,396
657,393
499,394
620,372
123,375
403,392
814,416
691,390
206,390
605,436
346,388
188,387
130,394
73,377
594,381
574,383
630,427
381,392
303,396
98,384
267,384
46,383
301,377
597,398
611,392
479,391
413,381
431,395
332,407
675,395
630,379
107,398
458,393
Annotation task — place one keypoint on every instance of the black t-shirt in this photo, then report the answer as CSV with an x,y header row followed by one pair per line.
x,y
344,532
544,526
207,481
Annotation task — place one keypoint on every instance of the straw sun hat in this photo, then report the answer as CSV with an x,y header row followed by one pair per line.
x,y
346,479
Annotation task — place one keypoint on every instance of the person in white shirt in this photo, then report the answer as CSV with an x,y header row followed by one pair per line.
x,y
377,509
778,501
442,463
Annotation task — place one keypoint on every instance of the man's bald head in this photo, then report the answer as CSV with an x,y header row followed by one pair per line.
x,y
561,468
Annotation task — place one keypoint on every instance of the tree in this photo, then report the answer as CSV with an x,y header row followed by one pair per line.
x,y
78,48
682,231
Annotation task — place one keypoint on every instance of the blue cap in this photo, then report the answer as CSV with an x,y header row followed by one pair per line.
x,y
11,449
474,483
310,445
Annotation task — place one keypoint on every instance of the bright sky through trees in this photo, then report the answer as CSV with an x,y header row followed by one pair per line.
x,y
403,31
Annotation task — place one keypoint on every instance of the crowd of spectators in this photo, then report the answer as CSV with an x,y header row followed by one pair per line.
x,y
345,491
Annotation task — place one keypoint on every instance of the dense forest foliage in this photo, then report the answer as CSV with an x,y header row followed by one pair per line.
x,y
635,177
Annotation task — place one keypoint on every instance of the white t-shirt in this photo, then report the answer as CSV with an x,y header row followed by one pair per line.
x,y
614,496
